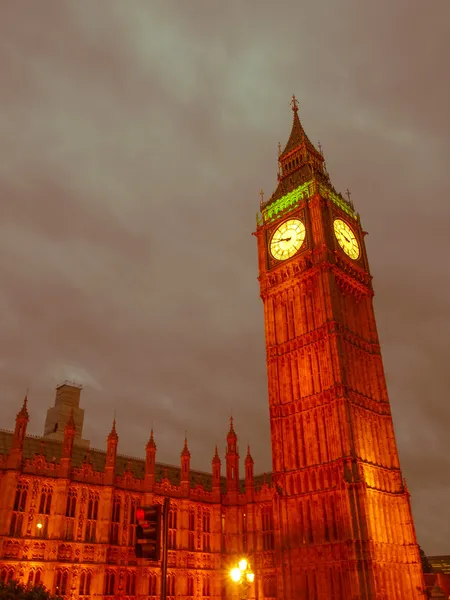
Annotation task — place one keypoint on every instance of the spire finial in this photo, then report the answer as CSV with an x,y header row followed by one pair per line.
x,y
294,104
23,412
348,194
279,149
113,432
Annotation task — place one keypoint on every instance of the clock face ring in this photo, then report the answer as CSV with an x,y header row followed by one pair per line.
x,y
346,239
287,239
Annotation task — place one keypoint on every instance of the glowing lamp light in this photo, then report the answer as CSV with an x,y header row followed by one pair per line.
x,y
243,564
39,525
250,577
235,574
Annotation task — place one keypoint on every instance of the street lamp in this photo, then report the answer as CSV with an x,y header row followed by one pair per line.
x,y
243,576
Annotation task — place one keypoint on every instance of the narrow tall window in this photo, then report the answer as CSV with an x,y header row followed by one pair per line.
x,y
171,584
85,583
267,528
190,585
152,584
20,499
71,505
46,500
110,583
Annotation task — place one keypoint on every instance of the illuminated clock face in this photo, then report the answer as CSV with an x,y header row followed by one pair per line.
x,y
346,239
287,239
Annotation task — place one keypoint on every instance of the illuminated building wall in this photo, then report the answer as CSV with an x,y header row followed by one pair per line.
x,y
67,515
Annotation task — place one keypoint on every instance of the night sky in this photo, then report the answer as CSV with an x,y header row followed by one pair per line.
x,y
135,138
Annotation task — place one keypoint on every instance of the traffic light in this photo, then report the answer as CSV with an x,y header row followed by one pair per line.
x,y
148,532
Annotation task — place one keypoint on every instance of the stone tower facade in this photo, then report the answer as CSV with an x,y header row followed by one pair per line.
x,y
343,521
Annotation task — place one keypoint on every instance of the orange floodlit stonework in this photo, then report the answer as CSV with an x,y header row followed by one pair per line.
x,y
333,520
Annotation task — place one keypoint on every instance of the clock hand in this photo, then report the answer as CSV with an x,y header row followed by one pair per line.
x,y
285,239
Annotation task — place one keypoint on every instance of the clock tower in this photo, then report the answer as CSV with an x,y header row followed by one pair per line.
x,y
344,527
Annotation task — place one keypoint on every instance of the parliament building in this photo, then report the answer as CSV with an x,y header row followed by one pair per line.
x,y
332,520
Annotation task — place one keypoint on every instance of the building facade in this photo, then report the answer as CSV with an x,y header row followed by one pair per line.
x,y
333,520
68,513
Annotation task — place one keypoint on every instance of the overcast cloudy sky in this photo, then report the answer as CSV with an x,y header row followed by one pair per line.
x,y
134,139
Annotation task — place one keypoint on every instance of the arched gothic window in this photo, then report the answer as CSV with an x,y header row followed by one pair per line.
x,y
110,583
71,505
61,580
130,587
152,584
20,499
46,500
85,583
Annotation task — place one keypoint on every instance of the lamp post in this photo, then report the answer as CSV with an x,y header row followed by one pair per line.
x,y
243,576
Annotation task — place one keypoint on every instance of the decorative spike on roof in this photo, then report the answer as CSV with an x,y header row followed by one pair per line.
x,y
231,433
113,433
216,457
299,163
151,441
249,457
298,135
185,451
23,413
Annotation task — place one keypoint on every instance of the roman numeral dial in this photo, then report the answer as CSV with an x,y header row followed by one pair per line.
x,y
287,239
346,239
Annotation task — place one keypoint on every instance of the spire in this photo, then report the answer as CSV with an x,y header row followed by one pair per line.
x,y
216,457
298,135
113,433
249,458
185,451
231,433
23,413
151,441
299,162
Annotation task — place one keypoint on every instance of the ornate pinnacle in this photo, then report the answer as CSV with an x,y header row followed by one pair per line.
x,y
294,104
113,432
151,442
185,451
231,432
216,457
24,410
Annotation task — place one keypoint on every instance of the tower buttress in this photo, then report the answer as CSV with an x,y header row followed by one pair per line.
x,y
232,460
150,460
185,466
16,453
111,454
216,467
249,462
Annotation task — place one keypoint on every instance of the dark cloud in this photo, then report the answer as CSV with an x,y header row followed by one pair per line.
x,y
134,140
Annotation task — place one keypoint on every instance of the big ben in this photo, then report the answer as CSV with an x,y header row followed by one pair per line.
x,y
343,520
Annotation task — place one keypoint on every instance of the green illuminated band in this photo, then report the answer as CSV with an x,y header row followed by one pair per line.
x,y
304,191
